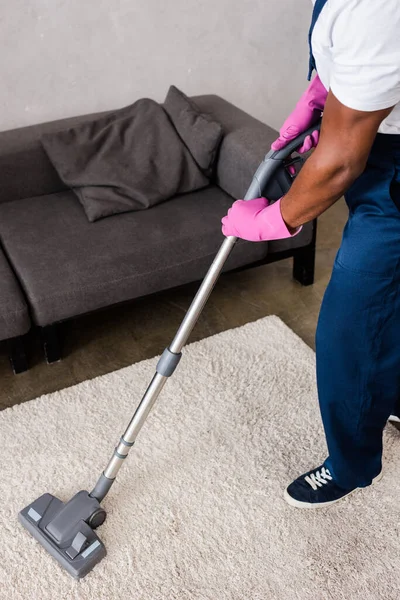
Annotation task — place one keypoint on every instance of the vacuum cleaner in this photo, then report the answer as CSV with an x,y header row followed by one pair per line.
x,y
67,530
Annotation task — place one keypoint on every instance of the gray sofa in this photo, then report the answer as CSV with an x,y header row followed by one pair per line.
x,y
56,265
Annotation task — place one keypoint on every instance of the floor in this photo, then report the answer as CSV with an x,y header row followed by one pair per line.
x,y
112,339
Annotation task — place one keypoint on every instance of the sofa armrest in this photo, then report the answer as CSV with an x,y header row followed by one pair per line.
x,y
246,141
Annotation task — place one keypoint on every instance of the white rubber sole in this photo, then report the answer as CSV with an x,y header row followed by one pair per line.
x,y
297,504
393,419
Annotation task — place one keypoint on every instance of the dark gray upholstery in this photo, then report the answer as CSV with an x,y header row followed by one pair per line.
x,y
25,169
132,159
14,316
201,134
246,141
69,266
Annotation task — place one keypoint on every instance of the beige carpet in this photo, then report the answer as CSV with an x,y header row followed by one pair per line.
x,y
197,512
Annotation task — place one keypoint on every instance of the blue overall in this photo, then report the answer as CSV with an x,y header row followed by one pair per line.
x,y
358,332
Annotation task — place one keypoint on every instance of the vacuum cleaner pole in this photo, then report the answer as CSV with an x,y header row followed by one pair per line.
x,y
67,530
165,368
171,356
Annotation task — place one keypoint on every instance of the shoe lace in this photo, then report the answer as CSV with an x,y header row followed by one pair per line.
x,y
319,478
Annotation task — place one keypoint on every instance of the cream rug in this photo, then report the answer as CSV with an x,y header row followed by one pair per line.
x,y
197,511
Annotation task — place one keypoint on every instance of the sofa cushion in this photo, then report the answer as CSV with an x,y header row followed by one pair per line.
x,y
201,134
14,316
25,168
69,266
126,161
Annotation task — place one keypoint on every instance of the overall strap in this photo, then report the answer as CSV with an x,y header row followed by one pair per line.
x,y
318,6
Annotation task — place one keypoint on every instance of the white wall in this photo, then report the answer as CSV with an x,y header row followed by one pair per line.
x,y
66,57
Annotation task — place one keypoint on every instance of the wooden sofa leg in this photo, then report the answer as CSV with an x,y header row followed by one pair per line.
x,y
51,343
304,261
17,355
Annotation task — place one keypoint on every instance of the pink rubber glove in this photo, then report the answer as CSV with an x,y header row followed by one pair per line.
x,y
307,112
255,221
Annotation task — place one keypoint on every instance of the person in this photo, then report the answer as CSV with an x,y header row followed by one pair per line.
x,y
355,49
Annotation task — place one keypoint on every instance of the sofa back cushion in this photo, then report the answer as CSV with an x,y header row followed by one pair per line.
x,y
25,170
246,142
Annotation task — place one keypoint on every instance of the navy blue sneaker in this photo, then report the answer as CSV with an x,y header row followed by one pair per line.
x,y
317,489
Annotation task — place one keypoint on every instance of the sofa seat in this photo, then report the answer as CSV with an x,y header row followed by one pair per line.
x,y
14,314
68,266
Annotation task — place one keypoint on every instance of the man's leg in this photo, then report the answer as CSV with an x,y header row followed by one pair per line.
x,y
358,371
358,378
357,340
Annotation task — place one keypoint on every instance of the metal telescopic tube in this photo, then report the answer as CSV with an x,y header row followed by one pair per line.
x,y
158,381
135,425
202,296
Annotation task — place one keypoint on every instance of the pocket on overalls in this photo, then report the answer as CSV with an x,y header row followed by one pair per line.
x,y
371,238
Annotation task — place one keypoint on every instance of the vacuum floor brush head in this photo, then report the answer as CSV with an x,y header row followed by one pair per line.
x,y
66,531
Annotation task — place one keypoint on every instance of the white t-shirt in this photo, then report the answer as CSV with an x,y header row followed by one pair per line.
x,y
356,46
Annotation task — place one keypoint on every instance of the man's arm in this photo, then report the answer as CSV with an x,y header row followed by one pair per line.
x,y
345,142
